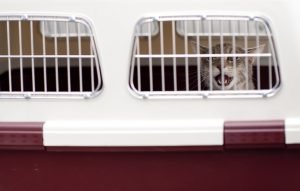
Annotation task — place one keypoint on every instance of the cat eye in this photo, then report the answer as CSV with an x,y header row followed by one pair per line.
x,y
231,59
213,59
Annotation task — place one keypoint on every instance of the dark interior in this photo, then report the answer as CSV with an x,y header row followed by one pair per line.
x,y
51,79
193,84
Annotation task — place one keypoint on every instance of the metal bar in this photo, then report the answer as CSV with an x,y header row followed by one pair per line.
x,y
270,69
35,17
21,60
150,58
210,58
246,57
258,59
44,59
80,53
49,56
56,58
97,64
198,58
222,52
138,60
199,55
203,27
92,64
138,64
233,52
61,94
173,56
9,53
273,59
32,59
221,94
68,53
143,56
186,58
226,34
99,84
162,52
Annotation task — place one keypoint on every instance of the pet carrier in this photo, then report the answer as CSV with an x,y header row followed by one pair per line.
x,y
149,95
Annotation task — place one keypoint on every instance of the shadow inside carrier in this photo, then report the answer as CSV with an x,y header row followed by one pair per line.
x,y
180,76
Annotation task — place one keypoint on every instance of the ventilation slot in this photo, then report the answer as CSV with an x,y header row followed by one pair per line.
x,y
212,56
44,56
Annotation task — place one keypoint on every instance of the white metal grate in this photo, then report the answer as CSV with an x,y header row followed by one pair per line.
x,y
211,56
48,56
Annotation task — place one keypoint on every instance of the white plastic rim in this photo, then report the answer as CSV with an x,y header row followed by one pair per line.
x,y
292,131
134,133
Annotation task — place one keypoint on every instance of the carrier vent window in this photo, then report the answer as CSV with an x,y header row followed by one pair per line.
x,y
211,56
45,56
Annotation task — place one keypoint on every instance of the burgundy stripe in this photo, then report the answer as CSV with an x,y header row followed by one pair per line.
x,y
254,134
21,135
237,134
22,147
137,149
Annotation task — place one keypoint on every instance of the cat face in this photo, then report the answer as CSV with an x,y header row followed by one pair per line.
x,y
223,73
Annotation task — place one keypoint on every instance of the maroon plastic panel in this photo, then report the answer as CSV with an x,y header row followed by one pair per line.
x,y
250,170
21,135
254,134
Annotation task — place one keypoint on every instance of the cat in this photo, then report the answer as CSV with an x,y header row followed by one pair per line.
x,y
240,79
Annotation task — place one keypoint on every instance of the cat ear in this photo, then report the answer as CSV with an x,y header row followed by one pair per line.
x,y
194,44
255,50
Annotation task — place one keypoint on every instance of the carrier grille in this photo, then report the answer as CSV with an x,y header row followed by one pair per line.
x,y
204,56
48,56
